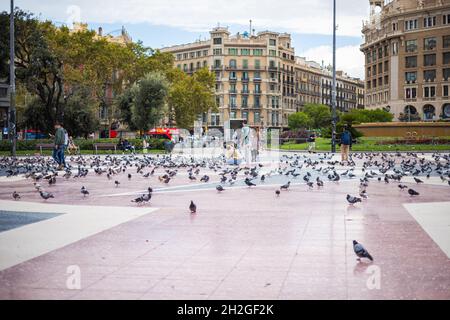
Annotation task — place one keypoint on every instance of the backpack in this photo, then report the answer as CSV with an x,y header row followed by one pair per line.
x,y
66,138
346,138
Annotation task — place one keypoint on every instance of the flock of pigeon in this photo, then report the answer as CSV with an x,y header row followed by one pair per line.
x,y
314,169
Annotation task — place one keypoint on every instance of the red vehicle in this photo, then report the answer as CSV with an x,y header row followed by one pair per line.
x,y
164,133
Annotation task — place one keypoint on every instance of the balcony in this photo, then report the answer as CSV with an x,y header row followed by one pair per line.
x,y
245,79
232,79
257,79
232,92
245,92
257,92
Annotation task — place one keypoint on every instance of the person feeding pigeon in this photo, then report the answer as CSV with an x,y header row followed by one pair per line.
x,y
346,143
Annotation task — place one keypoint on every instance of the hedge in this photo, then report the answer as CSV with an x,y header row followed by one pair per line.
x,y
83,144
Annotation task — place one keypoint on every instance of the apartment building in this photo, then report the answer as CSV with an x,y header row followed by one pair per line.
x,y
407,58
259,78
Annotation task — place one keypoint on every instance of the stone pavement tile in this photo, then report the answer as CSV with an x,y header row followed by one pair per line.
x,y
129,283
105,295
312,290
169,296
157,271
20,293
176,287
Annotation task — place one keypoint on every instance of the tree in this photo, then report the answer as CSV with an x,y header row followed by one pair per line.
x,y
148,101
319,114
366,116
190,96
80,114
299,120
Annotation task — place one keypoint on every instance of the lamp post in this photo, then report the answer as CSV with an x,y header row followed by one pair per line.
x,y
12,80
333,93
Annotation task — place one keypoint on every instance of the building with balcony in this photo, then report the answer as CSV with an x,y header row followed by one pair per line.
x,y
407,58
258,77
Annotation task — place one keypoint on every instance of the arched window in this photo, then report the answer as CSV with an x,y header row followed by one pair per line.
x,y
410,109
428,112
446,111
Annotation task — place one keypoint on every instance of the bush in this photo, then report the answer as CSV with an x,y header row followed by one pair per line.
x,y
83,144
339,128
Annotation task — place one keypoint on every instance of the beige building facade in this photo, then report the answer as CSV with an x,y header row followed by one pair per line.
x,y
407,58
258,77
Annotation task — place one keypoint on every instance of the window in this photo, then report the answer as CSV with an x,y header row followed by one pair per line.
x,y
217,52
429,43
446,58
232,114
233,64
410,93
369,58
217,40
185,55
369,72
244,102
429,75
245,64
217,63
233,88
257,102
179,56
199,64
411,46
192,54
257,88
257,52
245,115
446,18
429,22
185,67
272,64
205,64
273,53
386,66
257,64
245,52
245,87
233,75
445,90
380,68
386,51
244,75
233,51
395,26
446,41
380,53
429,92
256,118
178,67
429,60
410,24
272,42
411,76
446,74
257,75
233,101
199,54
205,53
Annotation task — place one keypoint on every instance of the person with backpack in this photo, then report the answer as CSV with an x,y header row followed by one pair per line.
x,y
346,143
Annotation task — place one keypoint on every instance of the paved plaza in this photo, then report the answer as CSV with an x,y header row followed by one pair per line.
x,y
243,243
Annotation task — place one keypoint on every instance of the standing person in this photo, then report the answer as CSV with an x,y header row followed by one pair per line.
x,y
254,144
58,152
312,142
144,145
346,143
245,141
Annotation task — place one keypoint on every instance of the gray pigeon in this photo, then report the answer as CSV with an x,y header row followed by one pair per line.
x,y
352,200
46,195
360,251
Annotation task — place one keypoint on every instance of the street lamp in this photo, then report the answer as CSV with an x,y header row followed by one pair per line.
x,y
12,80
333,94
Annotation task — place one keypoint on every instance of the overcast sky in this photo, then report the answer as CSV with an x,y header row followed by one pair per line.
x,y
167,22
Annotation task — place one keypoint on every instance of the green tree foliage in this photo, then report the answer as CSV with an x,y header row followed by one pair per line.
x,y
319,114
148,100
80,114
366,116
299,120
190,96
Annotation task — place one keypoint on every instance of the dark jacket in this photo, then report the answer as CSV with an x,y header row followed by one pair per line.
x,y
346,138
59,137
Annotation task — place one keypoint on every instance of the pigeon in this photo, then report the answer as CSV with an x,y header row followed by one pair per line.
x,y
413,192
129,176
193,207
15,196
249,183
285,186
310,184
46,195
277,192
116,183
84,191
352,200
418,180
219,188
402,186
360,251
263,178
138,200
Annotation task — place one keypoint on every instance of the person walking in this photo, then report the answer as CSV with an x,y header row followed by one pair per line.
x,y
346,143
245,142
60,141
